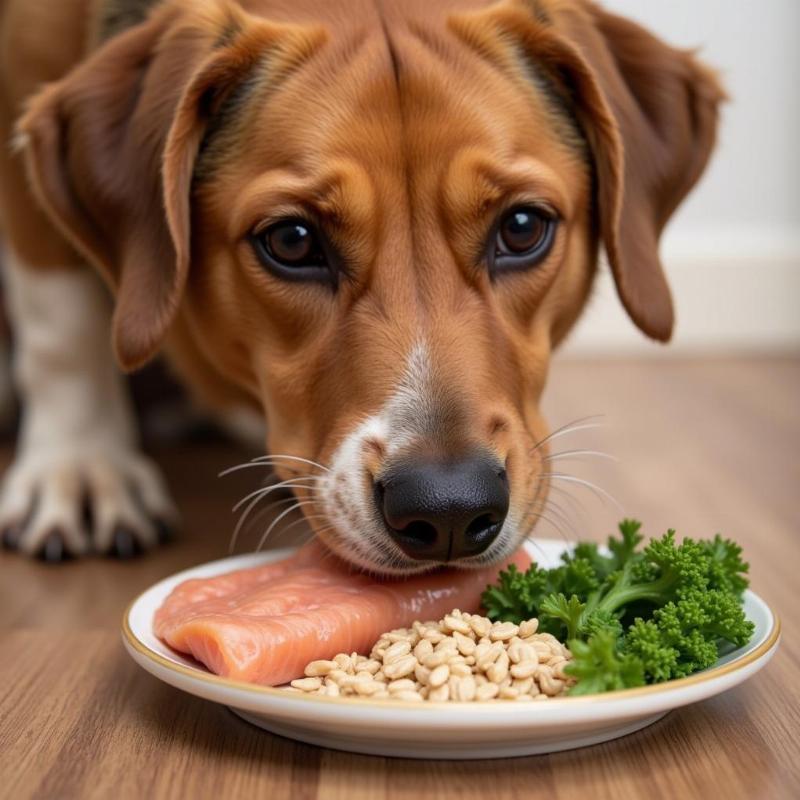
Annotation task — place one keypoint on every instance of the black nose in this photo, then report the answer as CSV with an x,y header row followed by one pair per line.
x,y
446,510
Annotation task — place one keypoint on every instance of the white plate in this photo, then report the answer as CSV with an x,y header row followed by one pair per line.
x,y
439,730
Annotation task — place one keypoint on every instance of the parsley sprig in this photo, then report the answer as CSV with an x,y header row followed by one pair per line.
x,y
636,615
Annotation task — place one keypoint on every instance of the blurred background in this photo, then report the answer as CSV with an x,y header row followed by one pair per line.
x,y
732,251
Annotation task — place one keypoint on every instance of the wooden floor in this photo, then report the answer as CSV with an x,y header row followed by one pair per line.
x,y
704,446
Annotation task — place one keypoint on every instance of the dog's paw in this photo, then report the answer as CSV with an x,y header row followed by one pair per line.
x,y
114,504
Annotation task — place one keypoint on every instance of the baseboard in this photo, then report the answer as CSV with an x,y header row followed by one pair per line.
x,y
740,295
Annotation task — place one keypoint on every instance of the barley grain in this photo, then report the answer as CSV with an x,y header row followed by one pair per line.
x,y
422,674
307,684
523,685
369,688
396,651
480,625
502,631
460,670
452,623
344,662
402,685
423,648
439,694
462,658
525,669
318,668
439,676
486,691
400,668
436,659
465,689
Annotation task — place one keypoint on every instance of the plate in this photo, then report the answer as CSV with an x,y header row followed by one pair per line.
x,y
439,730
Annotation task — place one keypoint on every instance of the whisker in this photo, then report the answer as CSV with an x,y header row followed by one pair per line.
x,y
289,483
282,457
326,528
259,516
271,461
598,490
553,509
557,434
304,518
570,427
549,522
575,504
249,464
298,504
568,496
246,513
576,453
537,546
539,514
327,553
545,507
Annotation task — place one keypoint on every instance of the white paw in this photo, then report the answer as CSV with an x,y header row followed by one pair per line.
x,y
114,503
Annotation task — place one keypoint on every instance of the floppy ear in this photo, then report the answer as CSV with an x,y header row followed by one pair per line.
x,y
665,105
111,148
649,115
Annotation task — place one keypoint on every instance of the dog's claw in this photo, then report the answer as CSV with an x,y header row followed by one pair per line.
x,y
93,502
124,544
53,550
11,536
164,531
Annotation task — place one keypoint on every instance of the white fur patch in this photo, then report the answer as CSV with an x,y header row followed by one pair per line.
x,y
359,533
77,432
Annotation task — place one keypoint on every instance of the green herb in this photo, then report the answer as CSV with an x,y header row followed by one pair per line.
x,y
635,615
598,665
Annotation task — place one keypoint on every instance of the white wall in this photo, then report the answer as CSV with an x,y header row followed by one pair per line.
x,y
733,249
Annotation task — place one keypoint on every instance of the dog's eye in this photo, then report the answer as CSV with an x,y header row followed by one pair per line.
x,y
292,249
290,243
524,237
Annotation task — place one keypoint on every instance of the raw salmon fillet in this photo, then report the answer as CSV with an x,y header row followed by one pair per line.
x,y
263,625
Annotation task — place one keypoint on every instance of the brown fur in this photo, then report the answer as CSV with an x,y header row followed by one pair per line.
x,y
404,128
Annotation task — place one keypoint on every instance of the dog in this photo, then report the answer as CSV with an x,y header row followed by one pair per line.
x,y
370,221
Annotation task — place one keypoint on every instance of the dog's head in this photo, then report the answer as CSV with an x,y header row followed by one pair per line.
x,y
380,226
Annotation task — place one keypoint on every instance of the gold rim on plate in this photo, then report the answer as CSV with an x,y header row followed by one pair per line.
x,y
211,679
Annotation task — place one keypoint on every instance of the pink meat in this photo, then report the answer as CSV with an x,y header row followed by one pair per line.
x,y
264,624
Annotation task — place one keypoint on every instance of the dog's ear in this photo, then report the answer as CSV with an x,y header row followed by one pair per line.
x,y
649,115
111,148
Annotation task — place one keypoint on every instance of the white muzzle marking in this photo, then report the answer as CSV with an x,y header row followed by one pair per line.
x,y
357,531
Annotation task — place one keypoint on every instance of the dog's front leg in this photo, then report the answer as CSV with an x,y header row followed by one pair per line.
x,y
78,482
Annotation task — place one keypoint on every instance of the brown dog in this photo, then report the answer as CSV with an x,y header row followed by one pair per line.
x,y
370,220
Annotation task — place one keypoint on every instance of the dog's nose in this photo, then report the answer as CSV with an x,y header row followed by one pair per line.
x,y
444,511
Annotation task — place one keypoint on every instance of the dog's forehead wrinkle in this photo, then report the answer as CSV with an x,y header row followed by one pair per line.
x,y
393,56
220,131
514,59
405,156
560,110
